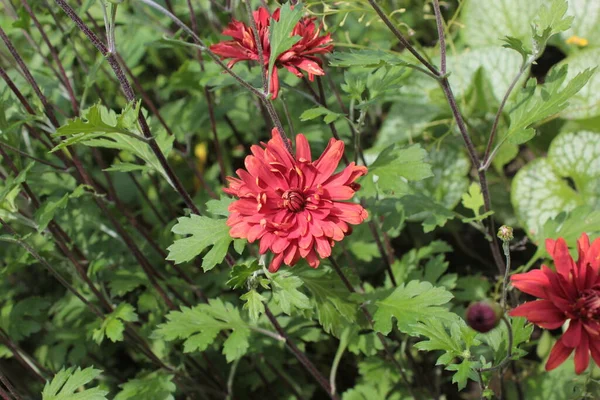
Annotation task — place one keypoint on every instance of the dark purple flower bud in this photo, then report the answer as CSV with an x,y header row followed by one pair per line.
x,y
484,316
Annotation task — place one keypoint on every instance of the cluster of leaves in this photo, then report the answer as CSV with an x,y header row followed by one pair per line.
x,y
111,286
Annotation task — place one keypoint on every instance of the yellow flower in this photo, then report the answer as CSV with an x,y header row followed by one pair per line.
x,y
578,41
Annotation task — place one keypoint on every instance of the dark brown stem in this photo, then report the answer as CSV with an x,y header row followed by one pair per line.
x,y
382,252
401,37
441,35
54,55
444,83
4,394
29,77
17,354
9,385
301,357
129,95
24,154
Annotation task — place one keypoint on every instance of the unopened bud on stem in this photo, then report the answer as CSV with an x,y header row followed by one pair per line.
x,y
484,316
505,233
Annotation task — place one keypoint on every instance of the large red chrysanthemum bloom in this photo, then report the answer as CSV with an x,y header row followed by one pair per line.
x,y
301,57
572,293
292,204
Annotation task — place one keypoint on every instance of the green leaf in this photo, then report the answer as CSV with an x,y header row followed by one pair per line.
x,y
393,168
473,199
200,325
24,318
510,18
11,187
464,371
559,384
497,338
219,207
328,115
438,338
286,293
281,30
569,225
410,304
67,384
254,303
154,386
123,281
532,105
472,288
240,273
101,127
204,232
365,58
407,119
420,207
586,102
450,167
551,20
542,189
335,308
499,66
112,326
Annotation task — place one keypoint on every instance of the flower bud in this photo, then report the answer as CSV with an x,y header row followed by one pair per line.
x,y
505,233
484,316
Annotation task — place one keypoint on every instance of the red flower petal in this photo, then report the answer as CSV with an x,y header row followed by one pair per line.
x,y
582,355
562,258
594,345
539,311
534,283
302,149
572,337
558,355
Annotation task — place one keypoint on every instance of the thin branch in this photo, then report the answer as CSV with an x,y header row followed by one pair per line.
x,y
54,55
441,35
488,157
301,357
16,351
9,386
129,95
24,154
401,38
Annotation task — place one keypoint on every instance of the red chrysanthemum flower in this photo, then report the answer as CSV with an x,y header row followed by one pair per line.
x,y
301,57
572,292
292,204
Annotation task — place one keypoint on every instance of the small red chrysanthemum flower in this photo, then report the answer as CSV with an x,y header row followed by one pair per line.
x,y
293,205
301,57
572,293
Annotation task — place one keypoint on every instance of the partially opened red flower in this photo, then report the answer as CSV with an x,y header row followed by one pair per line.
x,y
293,205
572,293
300,57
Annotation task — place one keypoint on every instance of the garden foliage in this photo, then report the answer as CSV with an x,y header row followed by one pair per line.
x,y
247,199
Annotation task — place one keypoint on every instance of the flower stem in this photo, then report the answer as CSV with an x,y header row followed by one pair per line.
x,y
506,248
